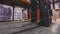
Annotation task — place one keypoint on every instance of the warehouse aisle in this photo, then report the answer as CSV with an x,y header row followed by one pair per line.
x,y
53,29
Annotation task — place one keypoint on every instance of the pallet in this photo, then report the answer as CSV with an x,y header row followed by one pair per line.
x,y
26,20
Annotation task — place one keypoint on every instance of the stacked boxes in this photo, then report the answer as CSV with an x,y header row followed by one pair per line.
x,y
6,13
18,13
1,13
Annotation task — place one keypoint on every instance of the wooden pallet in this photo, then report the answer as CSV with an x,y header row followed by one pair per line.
x,y
27,20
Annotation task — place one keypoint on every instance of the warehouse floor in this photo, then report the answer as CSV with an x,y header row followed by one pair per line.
x,y
53,29
15,28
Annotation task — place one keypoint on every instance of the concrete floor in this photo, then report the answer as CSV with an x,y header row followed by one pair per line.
x,y
9,27
39,30
53,29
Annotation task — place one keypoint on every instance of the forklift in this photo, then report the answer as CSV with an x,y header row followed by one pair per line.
x,y
41,12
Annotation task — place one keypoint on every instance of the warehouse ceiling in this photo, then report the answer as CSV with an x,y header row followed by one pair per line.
x,y
14,3
7,2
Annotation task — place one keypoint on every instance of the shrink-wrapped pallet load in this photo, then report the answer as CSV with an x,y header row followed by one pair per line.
x,y
2,13
25,14
6,13
18,13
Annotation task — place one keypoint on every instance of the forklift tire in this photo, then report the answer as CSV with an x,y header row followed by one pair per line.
x,y
47,22
44,22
